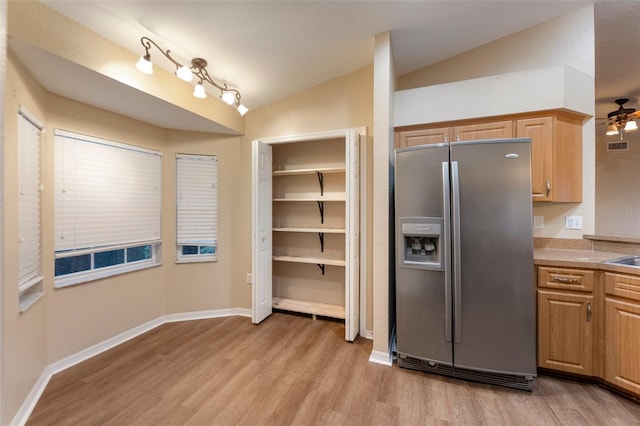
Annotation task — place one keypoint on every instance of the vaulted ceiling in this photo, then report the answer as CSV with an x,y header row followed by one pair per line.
x,y
272,49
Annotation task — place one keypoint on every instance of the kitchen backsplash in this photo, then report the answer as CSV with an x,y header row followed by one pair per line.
x,y
613,244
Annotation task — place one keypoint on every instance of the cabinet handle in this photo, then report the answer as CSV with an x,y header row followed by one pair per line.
x,y
565,280
548,187
589,312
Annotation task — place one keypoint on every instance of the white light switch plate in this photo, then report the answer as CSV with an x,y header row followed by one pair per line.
x,y
573,222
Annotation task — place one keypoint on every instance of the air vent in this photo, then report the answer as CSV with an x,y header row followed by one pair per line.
x,y
618,146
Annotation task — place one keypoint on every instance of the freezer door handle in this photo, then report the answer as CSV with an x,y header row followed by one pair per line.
x,y
446,249
457,261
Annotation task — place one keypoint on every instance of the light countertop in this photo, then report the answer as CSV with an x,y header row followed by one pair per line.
x,y
581,259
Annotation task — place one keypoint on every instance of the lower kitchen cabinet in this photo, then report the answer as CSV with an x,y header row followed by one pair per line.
x,y
565,331
589,325
565,319
622,331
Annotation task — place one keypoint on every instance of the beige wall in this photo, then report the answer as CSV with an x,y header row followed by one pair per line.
x,y
24,337
73,318
202,286
383,297
617,183
569,41
85,314
3,61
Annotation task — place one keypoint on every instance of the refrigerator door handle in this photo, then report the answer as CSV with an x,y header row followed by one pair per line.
x,y
457,261
446,198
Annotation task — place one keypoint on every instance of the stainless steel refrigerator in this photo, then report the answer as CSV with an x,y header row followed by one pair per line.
x,y
465,296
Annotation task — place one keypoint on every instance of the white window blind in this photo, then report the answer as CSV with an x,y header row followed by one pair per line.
x,y
197,199
29,201
106,193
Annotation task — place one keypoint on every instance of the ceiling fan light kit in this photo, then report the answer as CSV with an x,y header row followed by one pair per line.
x,y
198,68
622,119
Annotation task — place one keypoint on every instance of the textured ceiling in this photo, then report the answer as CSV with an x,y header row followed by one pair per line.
x,y
617,25
272,49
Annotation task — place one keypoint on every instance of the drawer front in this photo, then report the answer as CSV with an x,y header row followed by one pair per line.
x,y
566,279
626,286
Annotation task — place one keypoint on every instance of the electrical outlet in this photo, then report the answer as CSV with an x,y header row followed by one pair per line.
x,y
249,279
573,222
538,222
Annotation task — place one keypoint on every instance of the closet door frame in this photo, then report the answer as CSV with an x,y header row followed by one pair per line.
x,y
355,297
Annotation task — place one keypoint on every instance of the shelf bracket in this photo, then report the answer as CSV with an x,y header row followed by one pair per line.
x,y
321,208
321,181
321,236
321,266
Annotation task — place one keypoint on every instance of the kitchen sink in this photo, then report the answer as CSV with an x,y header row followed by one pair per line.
x,y
626,260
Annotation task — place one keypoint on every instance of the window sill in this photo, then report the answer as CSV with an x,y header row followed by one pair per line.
x,y
82,278
201,260
28,299
29,293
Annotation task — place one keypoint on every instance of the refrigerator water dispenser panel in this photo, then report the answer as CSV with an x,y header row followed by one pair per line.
x,y
422,242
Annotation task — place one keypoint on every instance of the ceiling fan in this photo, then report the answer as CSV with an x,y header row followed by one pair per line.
x,y
622,119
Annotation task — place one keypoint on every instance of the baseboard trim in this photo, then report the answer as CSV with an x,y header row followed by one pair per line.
x,y
32,398
38,388
381,357
368,334
215,313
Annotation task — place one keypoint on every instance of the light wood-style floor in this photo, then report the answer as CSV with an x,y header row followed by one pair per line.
x,y
292,370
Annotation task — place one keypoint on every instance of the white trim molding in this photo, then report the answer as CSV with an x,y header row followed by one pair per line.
x,y
381,357
38,388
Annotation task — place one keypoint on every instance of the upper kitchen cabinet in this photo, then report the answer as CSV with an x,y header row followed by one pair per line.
x,y
556,155
421,137
488,130
556,146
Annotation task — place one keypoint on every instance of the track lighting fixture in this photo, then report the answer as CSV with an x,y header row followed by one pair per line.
x,y
183,72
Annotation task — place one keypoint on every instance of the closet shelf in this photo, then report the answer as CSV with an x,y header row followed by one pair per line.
x,y
309,171
311,260
313,308
312,230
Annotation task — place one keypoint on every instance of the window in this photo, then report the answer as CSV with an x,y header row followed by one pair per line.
x,y
29,245
107,208
197,207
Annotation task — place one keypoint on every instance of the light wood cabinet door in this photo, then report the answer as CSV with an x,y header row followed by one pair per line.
x,y
622,331
540,130
421,137
556,146
622,348
556,156
490,130
565,332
